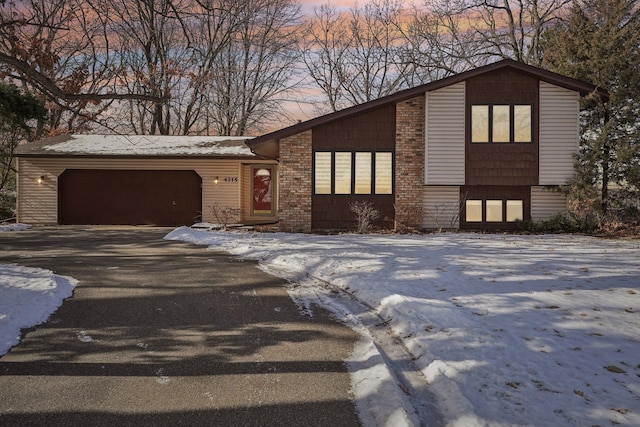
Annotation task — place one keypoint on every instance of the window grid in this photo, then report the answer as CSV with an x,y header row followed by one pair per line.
x,y
494,210
501,123
343,172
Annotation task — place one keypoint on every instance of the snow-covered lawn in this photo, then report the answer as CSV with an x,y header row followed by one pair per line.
x,y
28,296
506,329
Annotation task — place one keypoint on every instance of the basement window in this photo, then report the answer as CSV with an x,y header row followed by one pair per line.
x,y
494,210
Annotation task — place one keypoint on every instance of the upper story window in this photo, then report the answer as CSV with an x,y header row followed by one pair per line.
x,y
353,172
501,124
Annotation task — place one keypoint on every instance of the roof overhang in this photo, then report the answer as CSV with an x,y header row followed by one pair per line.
x,y
268,145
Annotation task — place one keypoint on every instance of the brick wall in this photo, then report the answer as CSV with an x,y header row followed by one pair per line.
x,y
295,183
409,174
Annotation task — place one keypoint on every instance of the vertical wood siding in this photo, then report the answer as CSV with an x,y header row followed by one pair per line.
x,y
559,111
441,207
445,136
545,202
38,203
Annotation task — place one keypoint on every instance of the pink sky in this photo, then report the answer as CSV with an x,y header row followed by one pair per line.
x,y
310,4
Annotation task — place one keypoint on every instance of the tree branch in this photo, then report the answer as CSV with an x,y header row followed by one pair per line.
x,y
48,86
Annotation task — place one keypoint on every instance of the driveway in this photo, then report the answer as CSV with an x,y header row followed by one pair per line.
x,y
167,333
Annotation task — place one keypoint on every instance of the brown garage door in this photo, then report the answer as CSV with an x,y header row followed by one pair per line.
x,y
129,197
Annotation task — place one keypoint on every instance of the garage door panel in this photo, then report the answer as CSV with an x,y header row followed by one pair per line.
x,y
133,197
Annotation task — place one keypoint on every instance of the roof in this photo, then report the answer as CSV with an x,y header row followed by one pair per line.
x,y
136,146
266,143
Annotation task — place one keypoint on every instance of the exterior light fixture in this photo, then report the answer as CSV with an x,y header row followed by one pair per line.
x,y
216,180
41,179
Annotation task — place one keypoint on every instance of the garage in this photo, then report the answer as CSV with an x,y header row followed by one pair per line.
x,y
143,180
134,197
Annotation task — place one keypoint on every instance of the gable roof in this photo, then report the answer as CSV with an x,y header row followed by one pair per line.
x,y
136,146
268,143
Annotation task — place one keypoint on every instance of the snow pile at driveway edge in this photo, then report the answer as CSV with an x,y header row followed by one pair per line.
x,y
378,398
505,329
14,227
29,297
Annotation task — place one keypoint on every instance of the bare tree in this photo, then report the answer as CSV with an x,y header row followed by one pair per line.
x,y
59,50
498,28
210,27
356,56
154,65
437,44
256,68
324,53
374,65
149,35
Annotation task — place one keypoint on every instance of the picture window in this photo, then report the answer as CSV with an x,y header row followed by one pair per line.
x,y
358,172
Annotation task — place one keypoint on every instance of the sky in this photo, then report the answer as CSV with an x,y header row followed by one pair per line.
x,y
457,329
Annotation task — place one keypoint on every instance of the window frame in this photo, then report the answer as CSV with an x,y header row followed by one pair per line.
x,y
512,128
484,210
372,171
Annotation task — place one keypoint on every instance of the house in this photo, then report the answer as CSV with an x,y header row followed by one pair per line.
x,y
477,150
156,180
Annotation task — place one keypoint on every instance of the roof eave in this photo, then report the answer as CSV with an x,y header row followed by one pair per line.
x,y
550,77
59,155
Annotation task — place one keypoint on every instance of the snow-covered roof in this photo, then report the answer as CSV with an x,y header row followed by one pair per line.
x,y
138,145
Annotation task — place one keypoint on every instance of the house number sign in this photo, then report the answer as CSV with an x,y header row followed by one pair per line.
x,y
230,179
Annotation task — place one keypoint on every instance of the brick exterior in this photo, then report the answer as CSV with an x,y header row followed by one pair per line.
x,y
409,172
295,183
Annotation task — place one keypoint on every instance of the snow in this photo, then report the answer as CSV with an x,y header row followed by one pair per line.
x,y
500,330
457,329
152,145
14,227
28,296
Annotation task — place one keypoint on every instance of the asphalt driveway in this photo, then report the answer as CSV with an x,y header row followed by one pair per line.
x,y
168,333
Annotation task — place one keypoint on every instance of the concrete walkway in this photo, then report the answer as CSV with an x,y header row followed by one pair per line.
x,y
167,333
